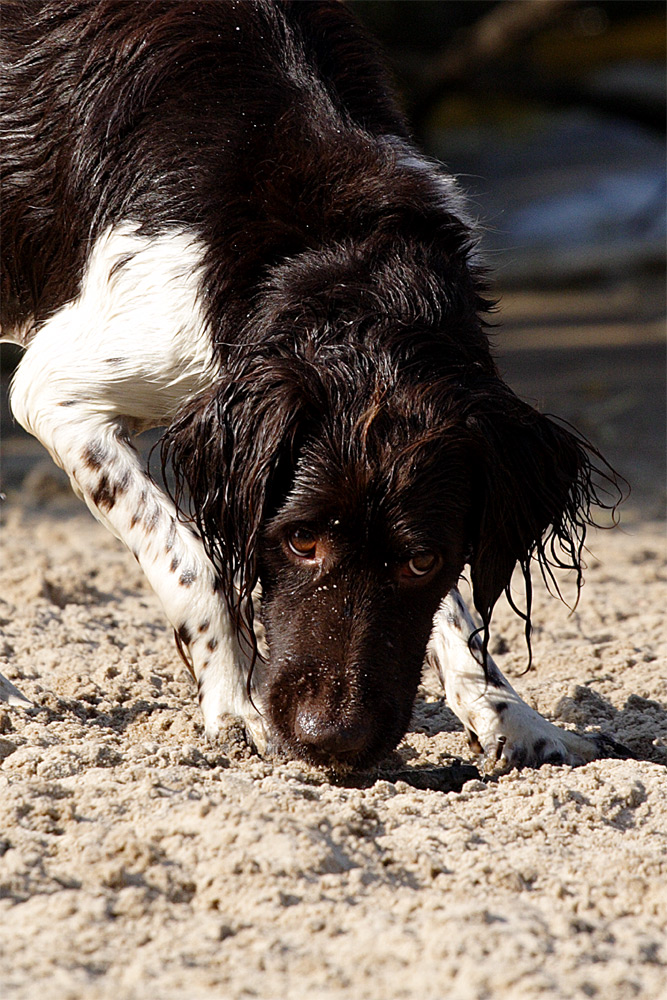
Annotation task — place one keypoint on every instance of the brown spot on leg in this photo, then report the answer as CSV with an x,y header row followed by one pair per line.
x,y
171,537
185,635
152,519
124,482
204,627
136,517
212,643
107,491
187,578
104,495
175,563
96,455
473,741
181,652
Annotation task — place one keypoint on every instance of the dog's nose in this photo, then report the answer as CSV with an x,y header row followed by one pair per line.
x,y
341,738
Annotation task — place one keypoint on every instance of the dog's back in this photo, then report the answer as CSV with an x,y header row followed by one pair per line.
x,y
209,116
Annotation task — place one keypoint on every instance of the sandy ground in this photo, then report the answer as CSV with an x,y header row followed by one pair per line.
x,y
138,862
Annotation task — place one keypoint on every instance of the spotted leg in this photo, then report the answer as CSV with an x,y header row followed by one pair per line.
x,y
500,725
99,369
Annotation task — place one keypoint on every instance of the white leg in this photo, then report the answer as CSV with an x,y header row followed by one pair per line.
x,y
500,725
122,357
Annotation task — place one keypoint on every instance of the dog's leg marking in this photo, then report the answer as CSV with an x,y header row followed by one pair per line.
x,y
146,309
500,725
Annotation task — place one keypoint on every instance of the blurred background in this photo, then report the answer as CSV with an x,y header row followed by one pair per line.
x,y
552,113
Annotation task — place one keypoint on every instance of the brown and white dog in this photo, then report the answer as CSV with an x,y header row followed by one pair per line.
x,y
214,220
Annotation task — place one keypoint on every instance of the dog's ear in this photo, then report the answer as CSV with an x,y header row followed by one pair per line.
x,y
535,484
231,451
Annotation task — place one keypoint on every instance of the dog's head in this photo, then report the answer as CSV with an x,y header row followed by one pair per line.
x,y
358,450
354,487
356,551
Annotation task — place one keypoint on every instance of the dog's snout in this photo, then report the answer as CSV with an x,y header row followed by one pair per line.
x,y
342,737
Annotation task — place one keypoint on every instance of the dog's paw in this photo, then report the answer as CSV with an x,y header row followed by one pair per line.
x,y
523,738
10,695
257,735
252,728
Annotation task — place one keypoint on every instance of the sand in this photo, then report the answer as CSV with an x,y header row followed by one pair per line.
x,y
136,861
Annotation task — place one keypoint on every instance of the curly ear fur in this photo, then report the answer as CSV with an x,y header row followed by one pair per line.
x,y
536,486
234,449
228,450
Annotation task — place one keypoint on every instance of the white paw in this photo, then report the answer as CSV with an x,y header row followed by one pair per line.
x,y
513,735
252,720
256,733
11,695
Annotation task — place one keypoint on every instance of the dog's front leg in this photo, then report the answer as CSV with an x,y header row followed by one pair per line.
x,y
105,471
123,356
500,725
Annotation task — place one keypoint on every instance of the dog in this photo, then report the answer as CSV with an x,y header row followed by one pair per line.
x,y
214,220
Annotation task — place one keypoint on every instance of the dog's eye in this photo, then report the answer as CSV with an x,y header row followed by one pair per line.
x,y
303,543
421,564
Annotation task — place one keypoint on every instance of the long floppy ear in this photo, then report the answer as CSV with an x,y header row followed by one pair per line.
x,y
536,484
229,450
